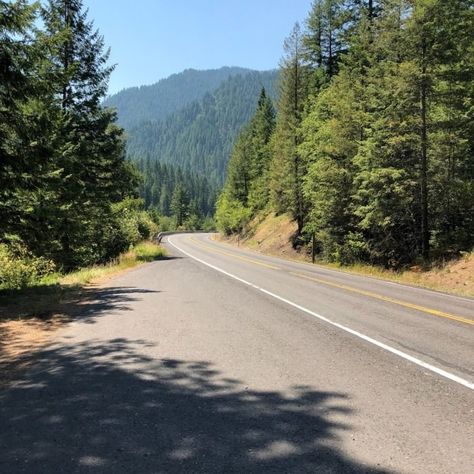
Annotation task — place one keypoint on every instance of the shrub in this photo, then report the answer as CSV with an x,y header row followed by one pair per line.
x,y
20,268
131,225
231,215
167,223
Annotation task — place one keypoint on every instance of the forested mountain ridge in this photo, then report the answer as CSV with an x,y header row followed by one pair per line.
x,y
157,101
200,136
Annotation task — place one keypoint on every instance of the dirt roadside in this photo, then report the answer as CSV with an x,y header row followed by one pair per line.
x,y
28,322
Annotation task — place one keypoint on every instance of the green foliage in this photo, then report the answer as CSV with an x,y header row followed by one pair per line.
x,y
231,214
19,268
62,159
373,149
200,136
287,166
208,225
158,101
326,37
246,188
167,223
180,205
161,185
129,226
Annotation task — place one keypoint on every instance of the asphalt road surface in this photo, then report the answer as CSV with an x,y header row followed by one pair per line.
x,y
221,360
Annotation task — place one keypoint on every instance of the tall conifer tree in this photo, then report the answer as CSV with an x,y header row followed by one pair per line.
x,y
287,166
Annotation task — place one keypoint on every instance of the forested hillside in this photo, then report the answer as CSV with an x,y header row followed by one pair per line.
x,y
155,102
372,149
169,191
67,193
200,136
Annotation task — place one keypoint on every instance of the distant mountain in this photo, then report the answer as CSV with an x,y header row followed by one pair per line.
x,y
199,136
157,101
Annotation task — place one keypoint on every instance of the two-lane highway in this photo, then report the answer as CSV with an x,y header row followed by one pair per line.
x,y
222,360
428,328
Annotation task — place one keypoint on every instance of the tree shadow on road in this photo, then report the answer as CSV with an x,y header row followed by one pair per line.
x,y
27,323
109,407
71,301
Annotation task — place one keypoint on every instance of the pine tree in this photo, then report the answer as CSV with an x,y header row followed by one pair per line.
x,y
262,126
385,166
89,148
17,168
326,37
287,167
180,205
373,146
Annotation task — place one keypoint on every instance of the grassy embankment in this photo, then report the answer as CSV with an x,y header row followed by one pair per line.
x,y
272,235
39,299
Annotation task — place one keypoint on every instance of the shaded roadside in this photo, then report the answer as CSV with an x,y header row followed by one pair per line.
x,y
29,316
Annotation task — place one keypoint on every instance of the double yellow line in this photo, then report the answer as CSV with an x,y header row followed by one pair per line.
x,y
245,259
424,309
431,311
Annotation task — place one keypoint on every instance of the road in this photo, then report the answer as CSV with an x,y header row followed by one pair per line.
x,y
222,360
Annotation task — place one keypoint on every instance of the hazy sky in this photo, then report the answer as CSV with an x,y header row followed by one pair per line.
x,y
151,39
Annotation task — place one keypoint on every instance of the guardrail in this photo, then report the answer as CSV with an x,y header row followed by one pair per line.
x,y
171,232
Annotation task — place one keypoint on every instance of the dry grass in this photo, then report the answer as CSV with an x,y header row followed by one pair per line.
x,y
456,276
143,252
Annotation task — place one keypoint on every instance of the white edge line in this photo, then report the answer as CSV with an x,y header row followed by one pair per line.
x,y
358,334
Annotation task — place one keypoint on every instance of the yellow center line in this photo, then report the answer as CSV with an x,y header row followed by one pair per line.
x,y
388,299
431,311
245,259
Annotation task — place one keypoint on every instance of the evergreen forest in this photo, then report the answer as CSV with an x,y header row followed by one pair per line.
x,y
157,101
199,137
371,150
68,195
364,136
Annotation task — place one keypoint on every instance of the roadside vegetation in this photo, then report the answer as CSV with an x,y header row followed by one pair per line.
x,y
41,301
38,294
371,148
20,268
69,198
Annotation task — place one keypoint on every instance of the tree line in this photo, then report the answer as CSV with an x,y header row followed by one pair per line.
x,y
371,151
67,193
169,191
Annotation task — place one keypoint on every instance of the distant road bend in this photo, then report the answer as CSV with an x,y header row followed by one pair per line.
x,y
222,360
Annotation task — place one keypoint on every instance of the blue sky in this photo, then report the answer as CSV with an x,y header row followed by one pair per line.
x,y
151,39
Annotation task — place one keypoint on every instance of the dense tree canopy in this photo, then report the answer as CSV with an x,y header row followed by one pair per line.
x,y
163,184
156,102
372,152
62,158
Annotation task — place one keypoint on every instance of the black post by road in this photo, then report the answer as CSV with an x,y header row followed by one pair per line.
x,y
313,248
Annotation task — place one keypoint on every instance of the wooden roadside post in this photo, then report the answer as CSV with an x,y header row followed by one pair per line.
x,y
313,248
